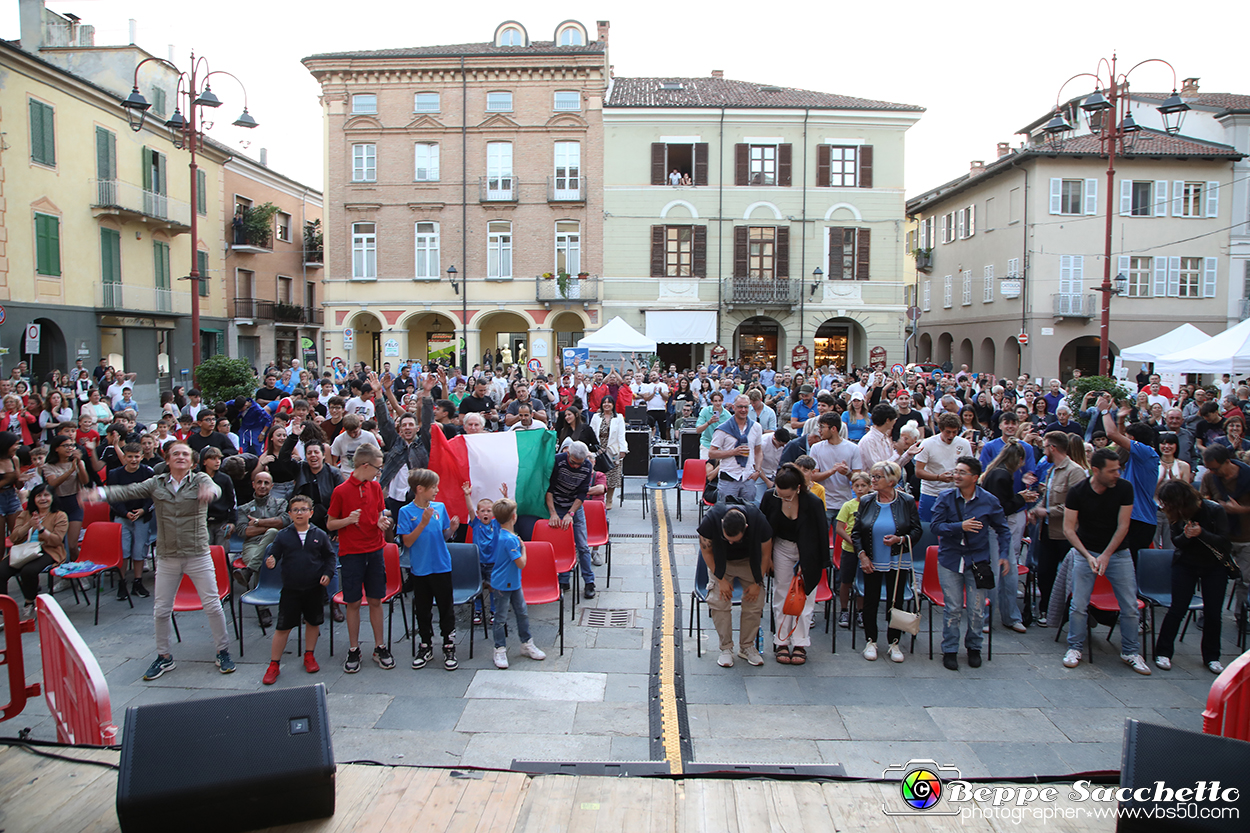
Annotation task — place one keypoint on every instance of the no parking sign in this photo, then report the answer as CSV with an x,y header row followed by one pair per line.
x,y
32,339
534,366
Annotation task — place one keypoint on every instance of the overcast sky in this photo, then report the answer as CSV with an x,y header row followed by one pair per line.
x,y
983,70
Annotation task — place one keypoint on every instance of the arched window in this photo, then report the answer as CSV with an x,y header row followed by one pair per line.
x,y
571,36
511,37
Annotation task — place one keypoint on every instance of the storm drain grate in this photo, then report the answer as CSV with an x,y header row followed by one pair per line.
x,y
603,617
632,536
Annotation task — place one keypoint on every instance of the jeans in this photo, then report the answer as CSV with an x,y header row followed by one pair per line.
x,y
1214,582
1006,586
926,507
169,573
583,549
742,489
135,537
1050,554
1241,557
499,600
477,603
954,586
1123,580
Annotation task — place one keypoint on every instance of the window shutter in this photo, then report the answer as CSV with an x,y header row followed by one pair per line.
x,y
658,157
1213,199
49,137
782,262
836,254
1160,288
945,230
54,244
865,166
1174,277
658,234
201,192
972,220
1208,277
923,237
1126,197
1078,273
742,168
864,242
110,256
1161,198
1056,195
700,165
36,131
1178,197
698,266
1123,265
740,251
960,228
784,164
1091,196
1065,274
928,293
822,165
105,154
147,169
159,173
434,162
201,266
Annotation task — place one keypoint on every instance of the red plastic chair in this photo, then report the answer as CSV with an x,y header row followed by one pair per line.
x,y
394,590
93,513
540,581
102,545
1102,597
931,592
188,598
565,552
693,479
597,531
824,595
1228,703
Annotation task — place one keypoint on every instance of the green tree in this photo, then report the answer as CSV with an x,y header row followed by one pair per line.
x,y
1094,384
221,378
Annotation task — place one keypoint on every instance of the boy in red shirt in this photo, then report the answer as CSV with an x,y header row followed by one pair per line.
x,y
358,512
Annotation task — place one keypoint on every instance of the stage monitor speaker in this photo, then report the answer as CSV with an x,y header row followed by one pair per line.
x,y
234,763
635,415
637,455
1163,760
689,446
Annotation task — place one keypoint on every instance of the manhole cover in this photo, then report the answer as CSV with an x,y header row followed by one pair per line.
x,y
601,617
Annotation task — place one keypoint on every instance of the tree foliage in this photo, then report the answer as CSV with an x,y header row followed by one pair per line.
x,y
221,378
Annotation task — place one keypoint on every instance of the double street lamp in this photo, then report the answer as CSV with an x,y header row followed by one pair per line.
x,y
195,90
1110,114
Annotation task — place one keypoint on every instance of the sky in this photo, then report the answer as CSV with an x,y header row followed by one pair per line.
x,y
982,70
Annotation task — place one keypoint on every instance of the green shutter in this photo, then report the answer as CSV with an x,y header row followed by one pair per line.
x,y
42,134
105,154
201,264
110,256
147,169
158,173
47,245
161,269
201,192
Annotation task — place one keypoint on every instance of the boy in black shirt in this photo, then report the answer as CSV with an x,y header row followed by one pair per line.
x,y
307,565
134,517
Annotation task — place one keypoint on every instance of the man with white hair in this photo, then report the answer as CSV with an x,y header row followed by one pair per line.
x,y
571,478
736,442
1064,422
1053,397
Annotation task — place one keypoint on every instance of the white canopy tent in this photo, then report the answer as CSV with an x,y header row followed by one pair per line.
x,y
1182,338
615,342
1227,352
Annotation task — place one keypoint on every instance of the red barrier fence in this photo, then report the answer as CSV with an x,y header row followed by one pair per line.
x,y
11,655
74,686
1228,702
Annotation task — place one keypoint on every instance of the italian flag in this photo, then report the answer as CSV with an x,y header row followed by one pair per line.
x,y
521,459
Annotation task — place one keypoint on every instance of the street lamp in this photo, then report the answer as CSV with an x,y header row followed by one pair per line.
x,y
464,315
817,274
185,134
1112,122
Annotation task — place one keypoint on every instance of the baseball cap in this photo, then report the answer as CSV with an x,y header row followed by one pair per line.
x,y
807,389
857,395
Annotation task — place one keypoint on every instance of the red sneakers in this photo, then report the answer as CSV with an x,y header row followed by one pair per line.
x,y
310,663
271,674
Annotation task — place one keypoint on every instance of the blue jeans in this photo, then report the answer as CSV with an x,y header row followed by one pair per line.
x,y
135,537
1123,580
583,549
500,599
926,506
477,603
954,585
1006,586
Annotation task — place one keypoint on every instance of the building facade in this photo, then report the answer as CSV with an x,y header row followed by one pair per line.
x,y
485,157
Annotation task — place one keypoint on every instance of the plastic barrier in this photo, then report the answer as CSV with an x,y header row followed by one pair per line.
x,y
1228,703
74,686
11,655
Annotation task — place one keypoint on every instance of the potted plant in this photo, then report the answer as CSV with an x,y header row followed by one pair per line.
x,y
258,225
924,259
314,242
581,276
562,282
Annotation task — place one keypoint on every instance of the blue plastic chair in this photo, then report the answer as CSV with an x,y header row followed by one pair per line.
x,y
698,597
1154,585
466,583
661,476
267,593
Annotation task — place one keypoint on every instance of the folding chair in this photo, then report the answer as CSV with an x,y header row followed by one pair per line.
x,y
187,598
661,476
540,583
102,545
931,592
693,479
565,551
698,597
597,532
394,590
466,584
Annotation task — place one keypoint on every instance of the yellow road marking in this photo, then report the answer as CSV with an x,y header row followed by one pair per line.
x,y
669,725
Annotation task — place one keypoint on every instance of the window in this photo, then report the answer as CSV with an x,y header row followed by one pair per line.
x,y
1137,198
967,281
364,163
763,165
244,281
201,266
1139,271
47,245
966,220
568,170
761,252
927,235
948,227
988,217
843,164
162,272
364,251
158,102
1190,277
427,262
571,36
678,251
568,100
426,164
284,290
499,171
499,250
688,160
106,166
310,295
1072,277
1013,267
1195,199
426,103
848,253
201,192
283,227
568,247
946,292
1073,196
364,103
111,267
42,134
499,102
511,37
988,297
928,292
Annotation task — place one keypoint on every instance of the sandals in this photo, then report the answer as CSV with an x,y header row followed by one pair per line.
x,y
783,654
798,656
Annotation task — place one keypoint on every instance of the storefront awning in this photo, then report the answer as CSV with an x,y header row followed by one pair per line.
x,y
681,326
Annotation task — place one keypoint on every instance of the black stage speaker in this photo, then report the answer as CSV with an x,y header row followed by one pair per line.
x,y
635,415
1162,759
689,446
637,455
241,762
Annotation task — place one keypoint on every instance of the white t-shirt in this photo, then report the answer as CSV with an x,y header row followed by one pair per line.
x,y
360,407
940,457
837,486
674,178
653,393
739,468
344,447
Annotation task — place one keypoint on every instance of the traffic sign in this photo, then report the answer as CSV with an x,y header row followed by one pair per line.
x,y
349,338
1023,338
534,365
897,369
913,313
2,315
32,339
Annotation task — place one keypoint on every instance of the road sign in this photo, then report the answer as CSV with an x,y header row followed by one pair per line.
x,y
2,314
913,313
534,366
898,369
32,339
937,374
1023,338
349,338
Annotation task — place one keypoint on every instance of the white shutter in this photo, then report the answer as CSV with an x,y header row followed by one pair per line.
x,y
1161,198
928,292
945,220
1126,197
1065,274
1078,273
946,292
1056,195
433,162
1091,196
1213,199
989,284
1178,197
972,220
967,296
1160,289
1124,261
1208,277
1013,267
1174,277
959,225
924,237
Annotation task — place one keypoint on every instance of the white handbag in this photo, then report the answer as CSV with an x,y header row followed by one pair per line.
x,y
903,620
19,554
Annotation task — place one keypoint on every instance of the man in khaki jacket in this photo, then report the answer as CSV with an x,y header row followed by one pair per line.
x,y
1053,546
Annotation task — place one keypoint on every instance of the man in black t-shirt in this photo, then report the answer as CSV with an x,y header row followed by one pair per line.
x,y
208,436
480,402
736,543
1096,521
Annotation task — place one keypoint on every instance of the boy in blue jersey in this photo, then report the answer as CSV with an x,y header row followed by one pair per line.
x,y
484,528
424,529
508,560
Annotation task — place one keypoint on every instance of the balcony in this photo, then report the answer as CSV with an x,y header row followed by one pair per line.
x,y
762,292
279,312
924,260
126,201
566,189
584,290
1075,305
314,258
120,297
250,243
499,188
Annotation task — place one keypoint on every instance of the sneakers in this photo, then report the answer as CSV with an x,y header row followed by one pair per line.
x,y
844,619
224,664
950,662
352,664
1136,662
896,653
1072,658
1041,621
589,591
310,663
449,656
751,655
501,658
138,589
122,595
596,558
1215,667
271,674
870,651
477,617
158,667
974,659
532,651
242,576
726,659
425,653
985,628
1164,663
1019,627
382,656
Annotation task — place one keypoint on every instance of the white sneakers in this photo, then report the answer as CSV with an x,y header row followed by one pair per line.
x,y
726,659
1072,658
751,655
1164,662
870,651
501,657
529,649
1019,627
1137,663
1215,667
896,653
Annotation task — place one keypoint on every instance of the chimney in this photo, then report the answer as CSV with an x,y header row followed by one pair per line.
x,y
603,32
977,167
1004,148
134,31
718,73
30,13
264,157
1189,86
171,53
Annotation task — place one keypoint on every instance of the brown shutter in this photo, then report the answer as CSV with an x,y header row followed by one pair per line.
x,y
822,166
836,254
699,260
742,159
865,166
658,235
782,259
740,250
861,254
700,163
659,151
783,165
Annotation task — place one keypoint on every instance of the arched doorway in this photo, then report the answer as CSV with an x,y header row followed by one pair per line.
x,y
367,339
51,351
943,354
965,354
567,328
433,336
757,341
500,329
985,360
1011,358
1082,354
842,343
924,352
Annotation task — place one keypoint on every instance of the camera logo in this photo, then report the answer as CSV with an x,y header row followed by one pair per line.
x,y
922,783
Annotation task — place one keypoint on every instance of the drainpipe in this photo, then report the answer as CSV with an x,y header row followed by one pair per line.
x,y
1025,284
720,227
803,247
464,216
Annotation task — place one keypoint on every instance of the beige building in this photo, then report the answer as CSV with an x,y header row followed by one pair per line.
x,y
484,156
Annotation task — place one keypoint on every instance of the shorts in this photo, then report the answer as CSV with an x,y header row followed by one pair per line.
x,y
294,604
10,503
71,507
846,573
359,569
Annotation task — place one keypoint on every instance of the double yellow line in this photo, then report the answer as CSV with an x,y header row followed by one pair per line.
x,y
669,722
